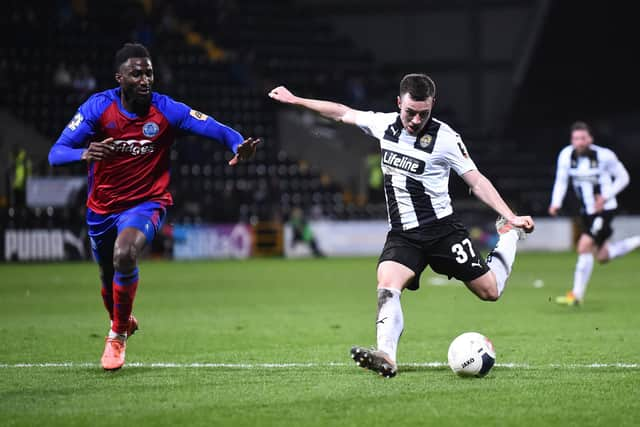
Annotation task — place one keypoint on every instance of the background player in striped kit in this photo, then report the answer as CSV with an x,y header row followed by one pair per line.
x,y
597,176
418,152
125,135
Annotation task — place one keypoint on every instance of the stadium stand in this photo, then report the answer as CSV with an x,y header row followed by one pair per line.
x,y
222,57
222,85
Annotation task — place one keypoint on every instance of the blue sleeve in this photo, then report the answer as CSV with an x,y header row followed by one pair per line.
x,y
192,121
71,143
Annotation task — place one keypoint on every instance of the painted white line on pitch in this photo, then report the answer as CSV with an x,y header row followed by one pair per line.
x,y
598,365
309,365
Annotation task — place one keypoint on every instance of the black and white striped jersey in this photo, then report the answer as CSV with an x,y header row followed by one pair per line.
x,y
597,171
416,168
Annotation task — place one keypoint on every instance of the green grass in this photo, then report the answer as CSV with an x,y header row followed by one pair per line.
x,y
311,311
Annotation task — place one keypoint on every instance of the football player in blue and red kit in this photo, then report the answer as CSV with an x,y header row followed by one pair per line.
x,y
125,136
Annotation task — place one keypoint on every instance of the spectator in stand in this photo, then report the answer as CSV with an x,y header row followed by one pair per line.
x,y
356,92
302,232
62,76
20,169
83,82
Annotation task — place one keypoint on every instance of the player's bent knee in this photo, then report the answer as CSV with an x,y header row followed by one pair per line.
x,y
125,257
485,287
489,293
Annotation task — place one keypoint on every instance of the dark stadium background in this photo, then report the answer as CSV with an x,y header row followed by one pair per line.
x,y
512,75
265,340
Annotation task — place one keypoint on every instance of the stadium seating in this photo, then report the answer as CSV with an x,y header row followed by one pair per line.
x,y
222,58
232,91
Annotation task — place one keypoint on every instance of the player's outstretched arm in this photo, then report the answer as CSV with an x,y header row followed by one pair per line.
x,y
485,191
192,121
330,110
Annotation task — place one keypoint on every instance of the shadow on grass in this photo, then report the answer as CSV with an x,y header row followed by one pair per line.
x,y
413,368
126,371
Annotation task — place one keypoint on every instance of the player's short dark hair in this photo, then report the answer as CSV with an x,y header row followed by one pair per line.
x,y
130,50
581,126
419,86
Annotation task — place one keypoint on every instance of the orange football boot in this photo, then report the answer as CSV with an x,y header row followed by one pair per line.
x,y
113,356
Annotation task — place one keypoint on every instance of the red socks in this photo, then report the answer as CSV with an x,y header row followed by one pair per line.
x,y
107,298
124,292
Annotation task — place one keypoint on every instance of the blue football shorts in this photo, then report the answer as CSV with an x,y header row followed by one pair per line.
x,y
104,229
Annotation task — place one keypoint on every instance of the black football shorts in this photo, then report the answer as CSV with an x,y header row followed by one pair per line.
x,y
452,254
598,226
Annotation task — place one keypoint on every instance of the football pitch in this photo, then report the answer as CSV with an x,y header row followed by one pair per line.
x,y
266,341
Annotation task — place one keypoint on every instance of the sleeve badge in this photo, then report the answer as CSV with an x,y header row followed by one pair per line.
x,y
198,115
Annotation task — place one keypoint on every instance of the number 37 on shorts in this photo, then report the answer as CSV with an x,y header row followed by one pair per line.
x,y
463,251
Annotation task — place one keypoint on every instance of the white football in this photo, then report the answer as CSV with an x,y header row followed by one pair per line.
x,y
471,354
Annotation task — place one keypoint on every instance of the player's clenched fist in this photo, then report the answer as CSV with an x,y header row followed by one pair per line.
x,y
524,222
282,94
100,150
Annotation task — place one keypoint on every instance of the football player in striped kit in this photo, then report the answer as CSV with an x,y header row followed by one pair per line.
x,y
417,154
597,176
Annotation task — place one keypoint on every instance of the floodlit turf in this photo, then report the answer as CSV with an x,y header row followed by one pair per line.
x,y
256,315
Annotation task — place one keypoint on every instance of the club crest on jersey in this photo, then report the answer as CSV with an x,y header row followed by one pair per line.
x,y
150,129
198,115
425,140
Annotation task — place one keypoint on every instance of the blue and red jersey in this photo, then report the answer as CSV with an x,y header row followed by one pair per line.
x,y
140,171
